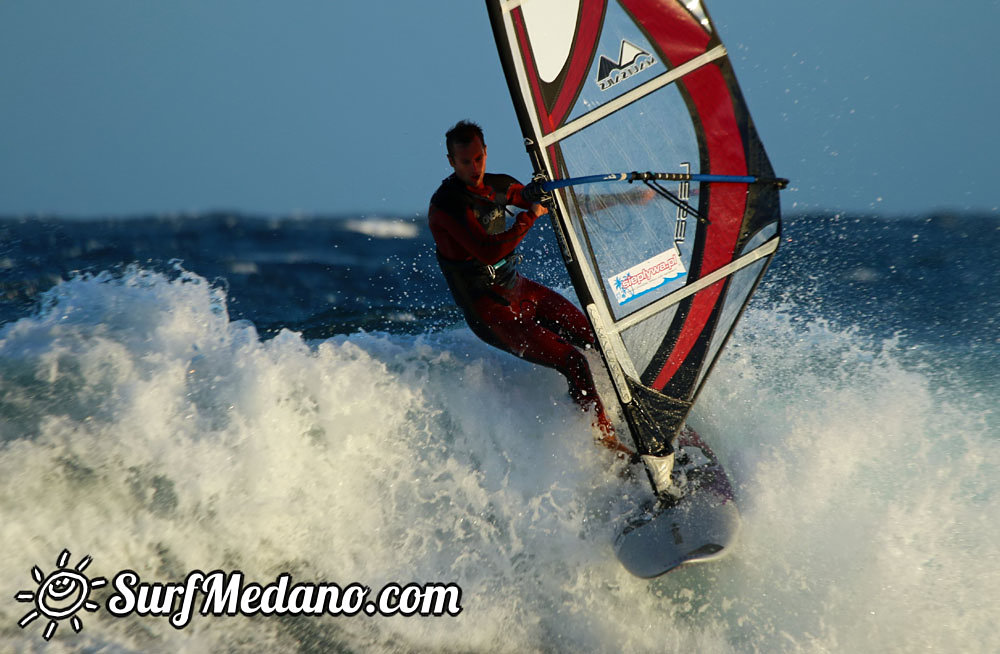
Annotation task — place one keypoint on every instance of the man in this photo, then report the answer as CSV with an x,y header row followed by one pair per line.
x,y
477,254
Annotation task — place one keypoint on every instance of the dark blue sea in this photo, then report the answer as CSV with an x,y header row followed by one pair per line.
x,y
299,395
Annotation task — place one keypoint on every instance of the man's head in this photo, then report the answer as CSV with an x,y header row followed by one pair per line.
x,y
467,152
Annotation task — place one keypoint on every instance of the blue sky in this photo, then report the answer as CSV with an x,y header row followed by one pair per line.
x,y
127,106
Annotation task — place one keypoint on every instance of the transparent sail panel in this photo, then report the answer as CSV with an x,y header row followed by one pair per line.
x,y
624,60
626,226
740,288
643,339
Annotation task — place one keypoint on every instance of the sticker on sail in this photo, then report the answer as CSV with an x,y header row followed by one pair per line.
x,y
631,60
648,275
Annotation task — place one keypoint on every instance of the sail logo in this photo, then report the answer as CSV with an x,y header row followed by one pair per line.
x,y
647,276
631,60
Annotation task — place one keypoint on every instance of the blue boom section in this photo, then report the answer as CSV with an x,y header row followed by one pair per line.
x,y
666,177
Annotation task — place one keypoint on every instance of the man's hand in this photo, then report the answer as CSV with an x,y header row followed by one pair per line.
x,y
538,210
534,193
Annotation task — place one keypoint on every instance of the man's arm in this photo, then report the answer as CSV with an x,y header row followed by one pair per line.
x,y
526,195
515,198
472,238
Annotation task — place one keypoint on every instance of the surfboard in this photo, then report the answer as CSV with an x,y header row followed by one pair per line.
x,y
665,258
699,525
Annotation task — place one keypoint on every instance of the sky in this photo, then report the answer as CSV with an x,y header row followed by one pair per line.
x,y
123,107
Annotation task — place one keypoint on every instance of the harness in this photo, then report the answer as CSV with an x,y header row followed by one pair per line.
x,y
486,272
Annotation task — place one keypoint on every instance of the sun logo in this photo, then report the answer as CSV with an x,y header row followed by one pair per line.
x,y
60,595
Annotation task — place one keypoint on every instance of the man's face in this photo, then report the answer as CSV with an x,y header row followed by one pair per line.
x,y
469,161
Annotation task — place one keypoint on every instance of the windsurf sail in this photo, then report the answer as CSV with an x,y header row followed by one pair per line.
x,y
663,268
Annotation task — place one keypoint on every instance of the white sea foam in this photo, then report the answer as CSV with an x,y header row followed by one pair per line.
x,y
143,427
383,227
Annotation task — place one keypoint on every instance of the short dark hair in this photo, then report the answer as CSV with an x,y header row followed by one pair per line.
x,y
463,132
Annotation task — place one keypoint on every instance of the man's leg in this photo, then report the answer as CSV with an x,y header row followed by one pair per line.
x,y
558,314
518,331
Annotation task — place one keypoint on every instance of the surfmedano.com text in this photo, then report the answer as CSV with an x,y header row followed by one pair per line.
x,y
228,594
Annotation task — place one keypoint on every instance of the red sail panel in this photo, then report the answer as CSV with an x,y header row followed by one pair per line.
x,y
578,63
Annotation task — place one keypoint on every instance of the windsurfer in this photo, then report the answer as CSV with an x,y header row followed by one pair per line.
x,y
478,255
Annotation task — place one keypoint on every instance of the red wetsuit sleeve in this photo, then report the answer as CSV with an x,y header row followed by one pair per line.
x,y
463,238
514,196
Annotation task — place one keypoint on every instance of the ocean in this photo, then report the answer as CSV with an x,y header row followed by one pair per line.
x,y
298,396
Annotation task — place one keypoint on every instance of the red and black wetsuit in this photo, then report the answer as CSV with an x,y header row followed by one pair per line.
x,y
477,254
